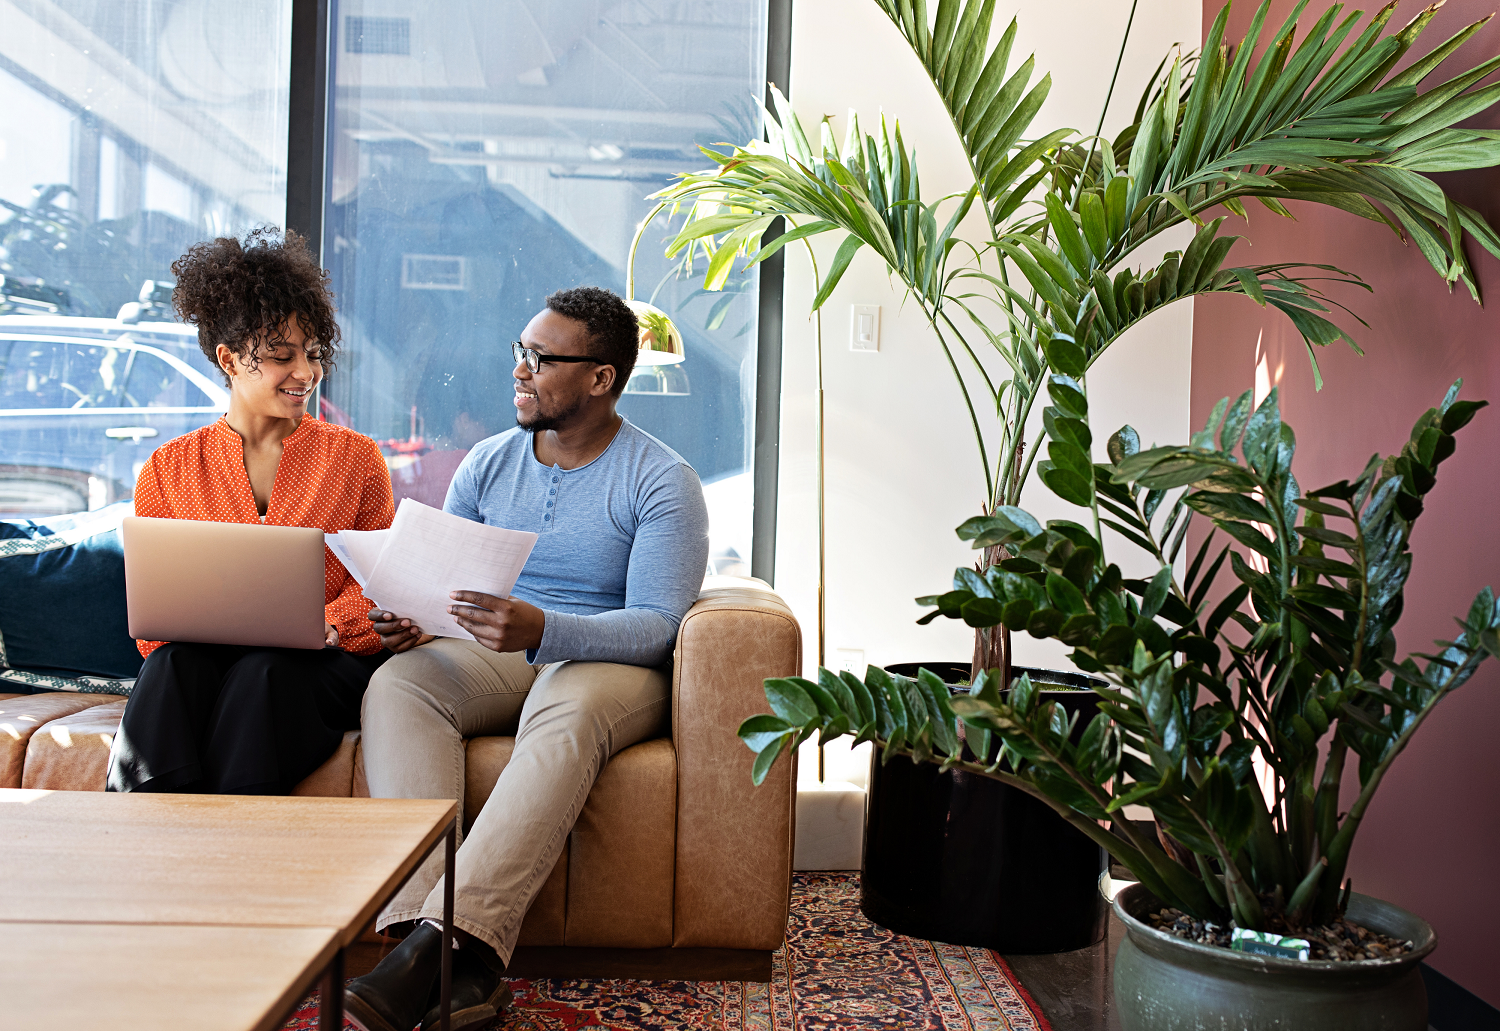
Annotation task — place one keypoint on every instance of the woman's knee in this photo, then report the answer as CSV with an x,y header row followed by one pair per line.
x,y
174,659
266,671
175,671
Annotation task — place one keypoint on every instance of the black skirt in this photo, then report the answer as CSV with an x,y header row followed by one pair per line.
x,y
229,720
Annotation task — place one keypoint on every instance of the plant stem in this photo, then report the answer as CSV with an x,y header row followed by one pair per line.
x,y
1109,94
1364,592
939,313
1083,382
984,461
1338,853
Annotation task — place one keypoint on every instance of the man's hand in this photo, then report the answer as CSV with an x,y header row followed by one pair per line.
x,y
397,634
500,624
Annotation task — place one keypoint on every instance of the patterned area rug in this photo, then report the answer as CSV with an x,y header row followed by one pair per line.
x,y
837,972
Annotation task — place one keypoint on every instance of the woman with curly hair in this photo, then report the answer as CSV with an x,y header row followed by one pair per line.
x,y
228,719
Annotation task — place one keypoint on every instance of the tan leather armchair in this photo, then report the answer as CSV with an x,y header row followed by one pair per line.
x,y
677,866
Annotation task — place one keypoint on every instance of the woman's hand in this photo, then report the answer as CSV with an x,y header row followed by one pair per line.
x,y
398,635
500,624
330,635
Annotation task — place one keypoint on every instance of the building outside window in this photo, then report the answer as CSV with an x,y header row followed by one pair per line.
x,y
132,129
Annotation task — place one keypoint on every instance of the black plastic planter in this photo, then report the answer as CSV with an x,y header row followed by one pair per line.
x,y
961,858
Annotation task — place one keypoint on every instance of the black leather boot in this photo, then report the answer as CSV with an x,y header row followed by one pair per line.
x,y
480,992
393,995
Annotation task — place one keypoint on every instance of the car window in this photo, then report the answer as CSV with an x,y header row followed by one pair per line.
x,y
152,383
34,375
180,346
95,375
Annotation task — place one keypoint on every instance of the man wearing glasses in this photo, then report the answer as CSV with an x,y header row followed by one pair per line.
x,y
571,663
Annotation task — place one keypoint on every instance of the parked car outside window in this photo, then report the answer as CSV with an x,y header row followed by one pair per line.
x,y
84,402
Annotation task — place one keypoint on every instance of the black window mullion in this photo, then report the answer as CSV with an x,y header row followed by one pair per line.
x,y
766,456
307,121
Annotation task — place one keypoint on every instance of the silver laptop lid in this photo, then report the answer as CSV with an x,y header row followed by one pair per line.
x,y
223,583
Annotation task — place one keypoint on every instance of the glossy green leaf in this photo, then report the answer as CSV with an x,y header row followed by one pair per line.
x,y
768,755
759,731
790,700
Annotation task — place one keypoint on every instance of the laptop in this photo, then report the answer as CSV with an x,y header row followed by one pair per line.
x,y
223,583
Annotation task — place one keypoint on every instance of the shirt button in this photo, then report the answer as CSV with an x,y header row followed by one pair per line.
x,y
549,504
552,491
556,478
545,518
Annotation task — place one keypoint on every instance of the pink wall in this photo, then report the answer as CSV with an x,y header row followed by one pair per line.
x,y
1431,841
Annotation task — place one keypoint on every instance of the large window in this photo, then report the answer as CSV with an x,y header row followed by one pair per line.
x,y
483,154
131,129
480,154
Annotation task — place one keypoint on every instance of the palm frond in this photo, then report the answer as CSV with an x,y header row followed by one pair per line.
x,y
1311,114
991,106
1319,123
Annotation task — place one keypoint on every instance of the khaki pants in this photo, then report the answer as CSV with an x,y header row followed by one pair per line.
x,y
568,719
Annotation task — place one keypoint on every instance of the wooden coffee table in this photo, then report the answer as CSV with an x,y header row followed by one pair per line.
x,y
209,865
157,977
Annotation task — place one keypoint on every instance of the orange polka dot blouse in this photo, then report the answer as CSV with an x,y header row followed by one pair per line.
x,y
329,477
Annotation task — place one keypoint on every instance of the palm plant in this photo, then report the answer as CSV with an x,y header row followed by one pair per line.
x,y
1052,280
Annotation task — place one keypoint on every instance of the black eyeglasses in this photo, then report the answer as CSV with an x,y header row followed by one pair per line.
x,y
534,358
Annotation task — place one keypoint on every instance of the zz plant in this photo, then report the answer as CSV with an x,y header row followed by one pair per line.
x,y
1287,663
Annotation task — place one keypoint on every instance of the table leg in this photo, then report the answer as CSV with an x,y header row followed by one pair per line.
x,y
331,995
445,993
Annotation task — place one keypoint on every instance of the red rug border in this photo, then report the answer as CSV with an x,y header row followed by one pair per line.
x,y
1043,1024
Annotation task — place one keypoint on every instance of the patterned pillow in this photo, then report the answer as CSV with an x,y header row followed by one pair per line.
x,y
62,606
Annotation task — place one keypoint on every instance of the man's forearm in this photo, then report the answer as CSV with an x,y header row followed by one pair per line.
x,y
633,636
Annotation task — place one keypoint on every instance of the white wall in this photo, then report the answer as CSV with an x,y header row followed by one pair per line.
x,y
902,468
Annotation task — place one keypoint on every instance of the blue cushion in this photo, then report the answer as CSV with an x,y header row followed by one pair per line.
x,y
62,605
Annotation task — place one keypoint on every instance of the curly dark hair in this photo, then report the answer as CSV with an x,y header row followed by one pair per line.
x,y
241,295
614,335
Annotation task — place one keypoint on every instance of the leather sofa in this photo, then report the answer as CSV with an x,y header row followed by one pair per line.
x,y
677,867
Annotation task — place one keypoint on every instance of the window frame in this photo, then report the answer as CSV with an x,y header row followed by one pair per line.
x,y
307,159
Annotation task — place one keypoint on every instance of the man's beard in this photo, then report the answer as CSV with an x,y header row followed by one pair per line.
x,y
543,421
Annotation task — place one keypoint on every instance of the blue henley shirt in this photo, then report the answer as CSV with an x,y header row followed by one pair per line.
x,y
622,542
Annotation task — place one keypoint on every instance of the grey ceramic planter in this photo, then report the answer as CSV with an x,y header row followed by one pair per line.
x,y
1165,983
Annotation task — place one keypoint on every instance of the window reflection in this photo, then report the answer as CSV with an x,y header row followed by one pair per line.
x,y
131,129
485,153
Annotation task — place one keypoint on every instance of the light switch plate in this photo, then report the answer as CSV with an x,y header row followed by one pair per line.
x,y
864,327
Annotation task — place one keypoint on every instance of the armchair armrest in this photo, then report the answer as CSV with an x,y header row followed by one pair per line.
x,y
734,840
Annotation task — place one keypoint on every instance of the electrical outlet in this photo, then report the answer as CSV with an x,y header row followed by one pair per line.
x,y
851,659
864,327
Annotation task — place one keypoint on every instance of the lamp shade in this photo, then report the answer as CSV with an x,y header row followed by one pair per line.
x,y
661,341
660,380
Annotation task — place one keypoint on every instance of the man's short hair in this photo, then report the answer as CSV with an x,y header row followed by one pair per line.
x,y
614,335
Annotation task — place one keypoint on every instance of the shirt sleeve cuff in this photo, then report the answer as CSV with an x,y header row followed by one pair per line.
x,y
559,638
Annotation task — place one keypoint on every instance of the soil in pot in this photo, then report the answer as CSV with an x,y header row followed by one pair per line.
x,y
961,858
1167,983
1340,940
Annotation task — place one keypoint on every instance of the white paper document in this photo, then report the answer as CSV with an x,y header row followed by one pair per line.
x,y
358,550
411,568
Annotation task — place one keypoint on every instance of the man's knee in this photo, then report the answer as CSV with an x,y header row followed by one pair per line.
x,y
597,703
396,686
